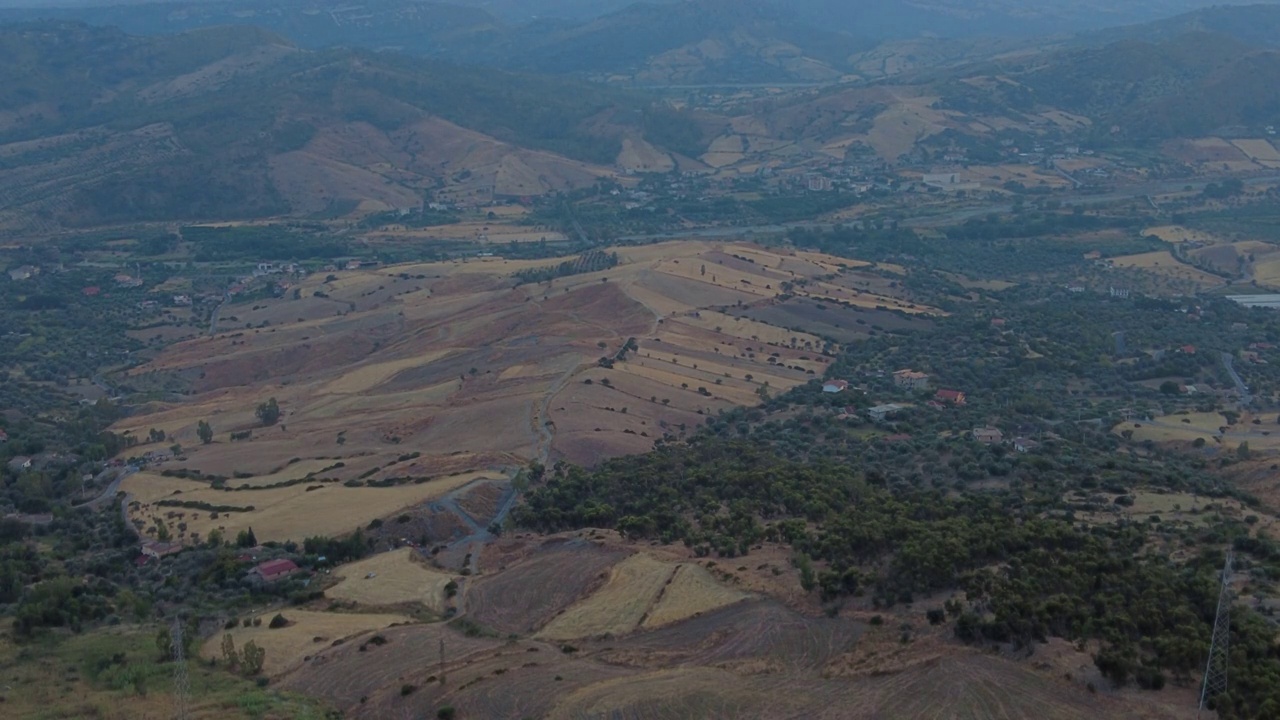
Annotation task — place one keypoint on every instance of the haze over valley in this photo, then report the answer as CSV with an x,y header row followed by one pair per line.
x,y
696,359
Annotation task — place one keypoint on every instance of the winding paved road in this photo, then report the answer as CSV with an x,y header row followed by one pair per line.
x,y
1229,362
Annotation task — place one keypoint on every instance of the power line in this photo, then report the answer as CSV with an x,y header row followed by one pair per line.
x,y
1215,672
181,682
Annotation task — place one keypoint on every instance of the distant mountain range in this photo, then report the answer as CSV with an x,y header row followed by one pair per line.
x,y
97,126
874,19
684,42
706,41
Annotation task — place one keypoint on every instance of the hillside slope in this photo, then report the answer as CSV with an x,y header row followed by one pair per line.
x,y
99,126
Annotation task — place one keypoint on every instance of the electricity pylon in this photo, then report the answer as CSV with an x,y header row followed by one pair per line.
x,y
181,682
1215,671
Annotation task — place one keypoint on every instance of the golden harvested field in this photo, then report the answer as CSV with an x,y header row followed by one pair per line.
x,y
638,155
691,591
1259,150
1180,234
618,607
280,514
739,327
307,634
1171,428
398,578
1267,272
457,363
725,150
1164,264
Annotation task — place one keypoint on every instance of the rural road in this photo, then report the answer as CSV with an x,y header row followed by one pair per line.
x,y
1229,362
478,535
111,490
213,319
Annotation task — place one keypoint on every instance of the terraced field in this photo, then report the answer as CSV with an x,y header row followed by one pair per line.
x,y
409,375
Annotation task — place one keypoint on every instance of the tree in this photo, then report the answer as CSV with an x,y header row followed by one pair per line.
x,y
268,412
229,653
246,539
204,432
251,658
1169,387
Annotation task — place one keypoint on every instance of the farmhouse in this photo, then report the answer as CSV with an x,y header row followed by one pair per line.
x,y
952,397
157,550
23,273
273,570
880,412
20,463
1023,445
835,386
988,436
911,380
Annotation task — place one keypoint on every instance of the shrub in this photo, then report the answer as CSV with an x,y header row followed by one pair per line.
x,y
407,689
278,621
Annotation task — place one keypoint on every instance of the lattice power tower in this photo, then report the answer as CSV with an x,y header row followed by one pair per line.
x,y
1215,671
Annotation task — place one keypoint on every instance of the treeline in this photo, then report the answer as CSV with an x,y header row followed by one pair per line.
x,y
1027,575
588,262
220,244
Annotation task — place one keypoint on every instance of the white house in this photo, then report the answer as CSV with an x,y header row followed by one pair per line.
x,y
880,412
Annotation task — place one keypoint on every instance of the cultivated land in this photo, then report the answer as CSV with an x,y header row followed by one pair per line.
x,y
391,578
700,651
403,383
306,634
1166,266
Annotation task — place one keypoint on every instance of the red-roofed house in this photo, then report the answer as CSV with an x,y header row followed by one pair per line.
x,y
1187,349
273,570
91,291
953,397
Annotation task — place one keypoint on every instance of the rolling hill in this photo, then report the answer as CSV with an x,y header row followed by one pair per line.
x,y
1137,90
651,43
234,122
707,41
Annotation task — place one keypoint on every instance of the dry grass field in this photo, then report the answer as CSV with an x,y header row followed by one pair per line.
x,y
457,366
397,578
690,591
1180,234
1260,151
280,514
1163,264
1175,428
704,651
76,678
617,608
307,634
